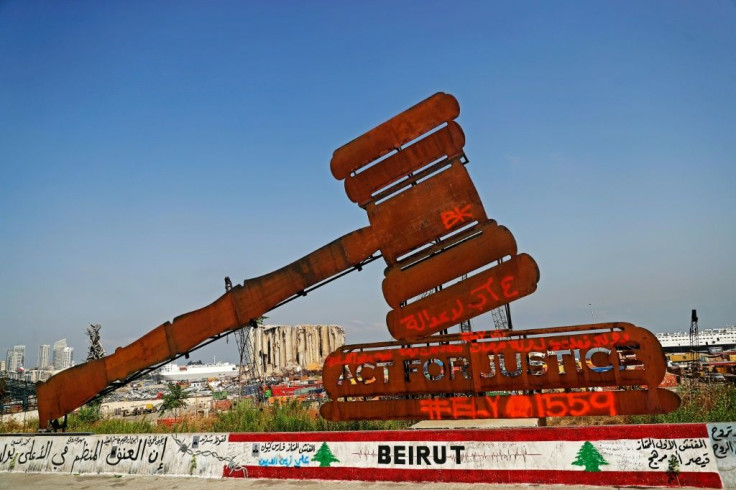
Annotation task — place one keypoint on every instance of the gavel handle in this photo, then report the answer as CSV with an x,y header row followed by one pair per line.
x,y
75,386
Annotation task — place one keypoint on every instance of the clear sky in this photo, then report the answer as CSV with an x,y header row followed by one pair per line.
x,y
150,148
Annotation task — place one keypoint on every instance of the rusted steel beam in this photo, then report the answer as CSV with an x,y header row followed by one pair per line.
x,y
604,355
73,387
491,244
635,402
446,143
397,131
428,211
466,299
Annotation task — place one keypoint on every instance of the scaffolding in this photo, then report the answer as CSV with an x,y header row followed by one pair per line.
x,y
250,376
249,369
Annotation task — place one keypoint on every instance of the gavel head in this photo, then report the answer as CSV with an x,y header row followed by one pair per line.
x,y
409,174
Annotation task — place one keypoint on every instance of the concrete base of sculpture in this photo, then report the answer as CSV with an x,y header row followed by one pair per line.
x,y
691,455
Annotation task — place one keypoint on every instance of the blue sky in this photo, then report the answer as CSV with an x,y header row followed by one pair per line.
x,y
148,149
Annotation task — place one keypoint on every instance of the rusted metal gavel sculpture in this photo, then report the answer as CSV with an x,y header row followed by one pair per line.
x,y
426,219
447,263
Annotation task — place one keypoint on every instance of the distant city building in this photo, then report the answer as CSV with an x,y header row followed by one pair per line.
x,y
43,356
36,375
63,355
14,362
58,353
15,358
2,366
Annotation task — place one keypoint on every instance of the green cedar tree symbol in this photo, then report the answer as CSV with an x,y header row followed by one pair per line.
x,y
589,457
325,456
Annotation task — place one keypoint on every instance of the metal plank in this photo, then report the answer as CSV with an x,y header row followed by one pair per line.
x,y
447,142
493,242
609,355
635,402
64,392
425,212
466,299
390,135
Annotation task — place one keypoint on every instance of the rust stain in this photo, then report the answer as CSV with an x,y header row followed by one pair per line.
x,y
491,244
397,131
445,144
414,217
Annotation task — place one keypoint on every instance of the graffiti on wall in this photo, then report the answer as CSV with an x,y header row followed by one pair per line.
x,y
136,454
723,441
650,454
656,455
286,454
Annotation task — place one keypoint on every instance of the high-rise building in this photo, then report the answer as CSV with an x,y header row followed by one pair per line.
x,y
68,357
43,356
2,366
13,362
59,347
15,358
63,355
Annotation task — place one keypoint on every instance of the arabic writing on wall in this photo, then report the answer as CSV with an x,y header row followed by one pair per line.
x,y
723,438
286,454
142,454
482,299
662,450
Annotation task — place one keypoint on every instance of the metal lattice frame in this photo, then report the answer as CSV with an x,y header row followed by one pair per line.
x,y
249,370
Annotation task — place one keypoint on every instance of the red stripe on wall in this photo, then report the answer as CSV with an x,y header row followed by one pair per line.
x,y
592,433
601,478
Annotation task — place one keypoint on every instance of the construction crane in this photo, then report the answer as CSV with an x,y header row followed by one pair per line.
x,y
694,344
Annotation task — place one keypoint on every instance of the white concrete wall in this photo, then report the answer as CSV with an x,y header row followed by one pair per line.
x,y
200,455
694,455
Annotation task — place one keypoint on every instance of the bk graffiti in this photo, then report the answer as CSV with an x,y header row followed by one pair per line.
x,y
456,216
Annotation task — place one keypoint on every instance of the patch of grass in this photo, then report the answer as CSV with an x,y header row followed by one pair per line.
x,y
291,416
112,426
9,425
700,404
